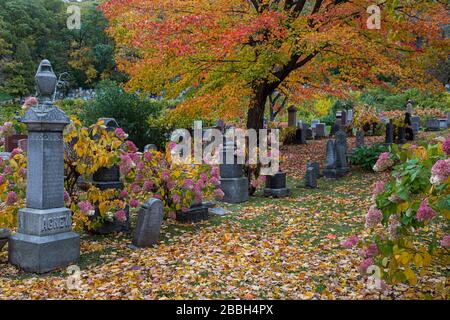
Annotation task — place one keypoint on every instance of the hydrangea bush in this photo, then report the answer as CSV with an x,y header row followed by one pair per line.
x,y
145,175
409,218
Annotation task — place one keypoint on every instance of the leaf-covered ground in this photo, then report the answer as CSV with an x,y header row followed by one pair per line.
x,y
266,248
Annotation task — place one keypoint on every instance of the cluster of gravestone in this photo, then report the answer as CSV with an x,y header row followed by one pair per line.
x,y
305,131
344,119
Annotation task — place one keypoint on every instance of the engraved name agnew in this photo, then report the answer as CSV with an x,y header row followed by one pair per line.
x,y
56,223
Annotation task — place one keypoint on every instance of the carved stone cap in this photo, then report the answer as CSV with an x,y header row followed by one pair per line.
x,y
45,113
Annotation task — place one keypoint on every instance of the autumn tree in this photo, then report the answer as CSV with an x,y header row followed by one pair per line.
x,y
237,53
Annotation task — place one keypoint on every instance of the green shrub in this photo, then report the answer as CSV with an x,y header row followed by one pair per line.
x,y
287,135
72,107
130,110
384,100
366,156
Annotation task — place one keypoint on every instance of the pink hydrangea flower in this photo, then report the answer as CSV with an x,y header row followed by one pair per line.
x,y
440,172
171,145
15,151
2,179
378,188
214,181
445,242
366,263
350,241
446,146
176,198
124,193
30,101
148,185
219,193
184,209
67,199
372,250
134,203
165,175
384,162
120,134
140,165
215,172
170,184
121,215
131,146
188,184
373,217
135,188
172,215
425,212
11,198
86,207
148,156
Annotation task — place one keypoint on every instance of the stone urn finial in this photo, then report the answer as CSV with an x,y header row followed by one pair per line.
x,y
46,81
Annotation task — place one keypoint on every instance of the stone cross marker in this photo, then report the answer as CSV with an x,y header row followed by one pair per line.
x,y
44,240
148,225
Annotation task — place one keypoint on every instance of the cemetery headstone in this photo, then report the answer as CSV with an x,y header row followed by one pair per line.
x,y
330,164
350,115
292,116
310,178
276,185
335,128
150,147
448,119
320,130
341,153
314,123
110,123
389,133
401,138
232,181
300,135
149,222
443,123
415,123
44,240
432,125
4,237
343,118
316,167
359,138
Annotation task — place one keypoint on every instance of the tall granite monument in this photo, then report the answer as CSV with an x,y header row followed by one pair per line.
x,y
44,240
232,180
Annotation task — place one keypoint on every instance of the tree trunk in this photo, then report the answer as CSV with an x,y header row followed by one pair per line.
x,y
255,114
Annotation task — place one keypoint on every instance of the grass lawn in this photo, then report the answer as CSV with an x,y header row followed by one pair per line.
x,y
266,248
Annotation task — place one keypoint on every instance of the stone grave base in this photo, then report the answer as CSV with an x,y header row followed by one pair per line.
x,y
42,254
277,193
235,189
334,173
